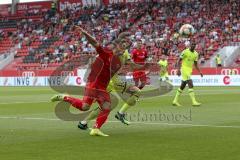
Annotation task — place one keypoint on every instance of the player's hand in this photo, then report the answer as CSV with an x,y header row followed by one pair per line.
x,y
178,72
79,28
147,72
201,74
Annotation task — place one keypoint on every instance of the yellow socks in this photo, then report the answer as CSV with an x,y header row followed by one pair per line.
x,y
179,92
192,95
124,108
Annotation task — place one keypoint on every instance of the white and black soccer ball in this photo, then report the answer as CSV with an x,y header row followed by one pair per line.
x,y
187,30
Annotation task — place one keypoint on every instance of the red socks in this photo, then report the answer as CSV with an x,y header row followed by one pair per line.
x,y
102,117
75,102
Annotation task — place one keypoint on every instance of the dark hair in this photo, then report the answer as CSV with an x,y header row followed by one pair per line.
x,y
123,35
193,43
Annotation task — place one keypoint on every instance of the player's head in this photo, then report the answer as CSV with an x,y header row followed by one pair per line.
x,y
117,48
110,46
164,57
124,39
124,35
139,44
125,44
192,46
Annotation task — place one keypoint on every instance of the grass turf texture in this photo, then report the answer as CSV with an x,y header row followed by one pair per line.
x,y
30,130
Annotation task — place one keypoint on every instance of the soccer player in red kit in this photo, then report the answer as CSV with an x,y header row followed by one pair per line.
x,y
102,70
139,56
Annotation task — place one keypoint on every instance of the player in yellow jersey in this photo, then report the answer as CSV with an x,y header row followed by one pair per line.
x,y
118,86
188,58
163,64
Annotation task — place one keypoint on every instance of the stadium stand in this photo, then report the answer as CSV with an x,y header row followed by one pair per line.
x,y
49,40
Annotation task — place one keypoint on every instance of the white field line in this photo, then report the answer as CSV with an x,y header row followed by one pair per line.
x,y
141,123
24,102
167,95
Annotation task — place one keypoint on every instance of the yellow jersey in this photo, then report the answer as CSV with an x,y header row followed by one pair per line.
x,y
188,58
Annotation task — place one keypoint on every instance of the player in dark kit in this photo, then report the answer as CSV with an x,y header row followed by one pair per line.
x,y
139,56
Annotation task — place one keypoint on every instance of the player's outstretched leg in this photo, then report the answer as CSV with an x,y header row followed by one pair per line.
x,y
75,102
83,125
93,115
58,97
122,117
176,98
101,119
192,96
131,101
143,80
142,85
136,79
178,93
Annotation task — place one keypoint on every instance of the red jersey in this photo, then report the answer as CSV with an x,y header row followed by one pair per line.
x,y
139,56
103,68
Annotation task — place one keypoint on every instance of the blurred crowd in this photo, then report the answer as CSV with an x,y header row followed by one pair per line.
x,y
217,23
53,39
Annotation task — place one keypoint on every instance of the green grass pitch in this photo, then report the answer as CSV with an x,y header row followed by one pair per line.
x,y
29,129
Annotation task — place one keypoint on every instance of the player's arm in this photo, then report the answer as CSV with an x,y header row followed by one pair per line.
x,y
133,54
90,38
135,66
167,68
160,66
197,67
178,66
132,64
124,35
179,62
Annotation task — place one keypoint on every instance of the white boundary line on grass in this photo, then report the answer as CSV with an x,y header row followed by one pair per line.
x,y
20,102
167,95
144,123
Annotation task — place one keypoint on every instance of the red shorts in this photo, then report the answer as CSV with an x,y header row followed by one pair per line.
x,y
93,94
140,75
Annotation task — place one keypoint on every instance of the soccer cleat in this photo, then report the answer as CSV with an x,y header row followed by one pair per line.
x,y
196,104
58,97
97,132
121,118
176,104
82,126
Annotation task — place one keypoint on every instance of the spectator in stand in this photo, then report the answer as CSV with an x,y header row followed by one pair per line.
x,y
218,61
217,24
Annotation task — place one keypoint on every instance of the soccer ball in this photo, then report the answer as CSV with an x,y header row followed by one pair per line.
x,y
187,30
